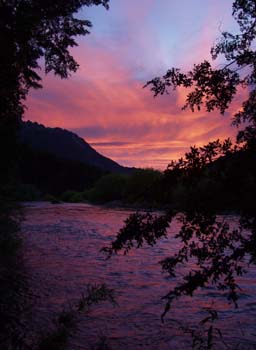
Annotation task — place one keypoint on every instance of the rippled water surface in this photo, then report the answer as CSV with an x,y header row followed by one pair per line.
x,y
62,255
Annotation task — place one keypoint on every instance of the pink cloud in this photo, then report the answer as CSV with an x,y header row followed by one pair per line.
x,y
105,103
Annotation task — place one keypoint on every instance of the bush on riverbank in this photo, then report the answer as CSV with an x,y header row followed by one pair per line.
x,y
224,184
132,189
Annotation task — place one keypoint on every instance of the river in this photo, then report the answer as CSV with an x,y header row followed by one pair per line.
x,y
62,245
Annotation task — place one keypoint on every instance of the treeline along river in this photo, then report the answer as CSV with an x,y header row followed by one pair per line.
x,y
62,245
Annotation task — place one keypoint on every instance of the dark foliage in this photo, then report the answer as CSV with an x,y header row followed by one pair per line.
x,y
133,189
66,322
209,179
218,252
200,181
31,32
214,88
53,175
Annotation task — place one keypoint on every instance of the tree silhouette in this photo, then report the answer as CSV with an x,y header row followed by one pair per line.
x,y
215,88
33,33
34,30
215,250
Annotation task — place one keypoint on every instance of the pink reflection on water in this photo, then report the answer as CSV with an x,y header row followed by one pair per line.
x,y
62,244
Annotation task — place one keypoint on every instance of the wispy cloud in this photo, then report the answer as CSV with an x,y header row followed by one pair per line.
x,y
105,102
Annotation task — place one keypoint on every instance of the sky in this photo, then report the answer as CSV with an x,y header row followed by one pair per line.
x,y
104,101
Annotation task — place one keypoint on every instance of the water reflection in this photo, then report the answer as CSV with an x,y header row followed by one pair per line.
x,y
62,244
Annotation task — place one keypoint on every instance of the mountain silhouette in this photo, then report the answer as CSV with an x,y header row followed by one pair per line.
x,y
66,145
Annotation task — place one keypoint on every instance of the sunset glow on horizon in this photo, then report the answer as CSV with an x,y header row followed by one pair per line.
x,y
105,103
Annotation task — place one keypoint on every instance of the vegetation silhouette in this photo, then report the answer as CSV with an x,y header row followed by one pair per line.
x,y
54,175
125,189
218,252
32,31
66,322
32,34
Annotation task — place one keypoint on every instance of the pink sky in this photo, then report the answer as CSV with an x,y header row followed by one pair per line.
x,y
104,102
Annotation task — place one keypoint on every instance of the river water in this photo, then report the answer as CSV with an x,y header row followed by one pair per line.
x,y
62,245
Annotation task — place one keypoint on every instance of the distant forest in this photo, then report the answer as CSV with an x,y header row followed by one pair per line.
x,y
226,183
